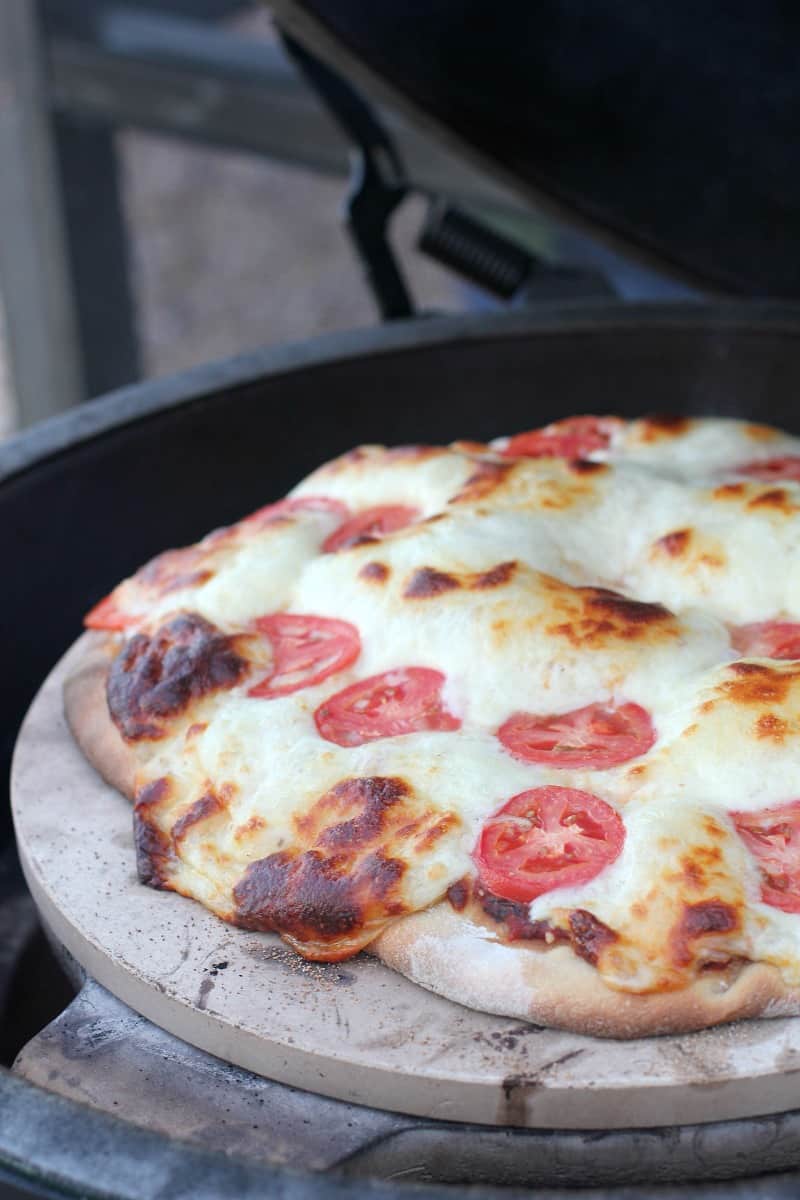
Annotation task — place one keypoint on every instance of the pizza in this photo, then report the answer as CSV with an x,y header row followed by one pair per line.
x,y
521,718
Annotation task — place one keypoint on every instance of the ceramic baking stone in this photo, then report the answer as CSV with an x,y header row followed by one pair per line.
x,y
353,1030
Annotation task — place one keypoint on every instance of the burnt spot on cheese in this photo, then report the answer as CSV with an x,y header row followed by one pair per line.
x,y
486,477
729,491
459,893
494,577
514,923
176,569
757,683
209,805
771,727
773,500
195,730
427,581
331,893
154,850
155,678
699,921
590,936
585,466
674,544
659,426
592,617
320,902
251,826
374,572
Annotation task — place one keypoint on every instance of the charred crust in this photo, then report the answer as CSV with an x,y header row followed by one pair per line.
x,y
427,582
631,612
154,853
590,936
697,920
775,498
757,683
375,572
674,544
155,678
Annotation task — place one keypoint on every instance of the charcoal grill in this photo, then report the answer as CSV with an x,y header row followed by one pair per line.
x,y
101,1101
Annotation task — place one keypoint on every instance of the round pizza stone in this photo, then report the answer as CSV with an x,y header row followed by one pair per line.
x,y
355,1030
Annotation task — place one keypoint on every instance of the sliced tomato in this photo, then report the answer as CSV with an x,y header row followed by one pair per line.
x,y
768,639
369,524
403,701
548,837
106,615
573,438
597,736
305,651
785,466
773,838
295,504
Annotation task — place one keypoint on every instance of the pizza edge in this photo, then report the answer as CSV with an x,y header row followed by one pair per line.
x,y
447,953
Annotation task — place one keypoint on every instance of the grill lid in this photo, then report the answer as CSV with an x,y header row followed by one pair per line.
x,y
669,130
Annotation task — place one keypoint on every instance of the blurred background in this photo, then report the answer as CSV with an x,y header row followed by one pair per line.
x,y
175,197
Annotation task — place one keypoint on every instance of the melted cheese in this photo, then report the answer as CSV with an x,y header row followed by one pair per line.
x,y
499,592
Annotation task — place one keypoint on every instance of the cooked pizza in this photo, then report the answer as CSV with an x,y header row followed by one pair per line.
x,y
522,719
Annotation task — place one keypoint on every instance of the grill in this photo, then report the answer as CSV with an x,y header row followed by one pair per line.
x,y
101,1100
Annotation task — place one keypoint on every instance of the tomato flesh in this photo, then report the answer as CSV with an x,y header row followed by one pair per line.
x,y
545,838
106,615
770,470
406,700
305,651
773,838
573,438
369,524
768,639
597,736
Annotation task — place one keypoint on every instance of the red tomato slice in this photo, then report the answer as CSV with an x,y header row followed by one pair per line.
x,y
768,639
548,837
305,651
106,615
773,838
597,736
369,524
294,504
403,701
573,438
787,466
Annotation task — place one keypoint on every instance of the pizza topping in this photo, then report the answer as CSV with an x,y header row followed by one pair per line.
x,y
785,466
768,639
333,893
405,700
576,437
513,916
293,505
107,615
545,838
589,935
306,650
700,920
773,838
155,678
597,736
370,525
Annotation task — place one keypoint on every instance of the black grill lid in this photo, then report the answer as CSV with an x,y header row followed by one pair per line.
x,y
672,129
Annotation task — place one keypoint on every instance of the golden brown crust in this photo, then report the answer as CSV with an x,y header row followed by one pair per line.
x,y
86,710
447,953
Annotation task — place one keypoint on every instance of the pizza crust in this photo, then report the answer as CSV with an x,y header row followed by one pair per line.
x,y
450,955
86,710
